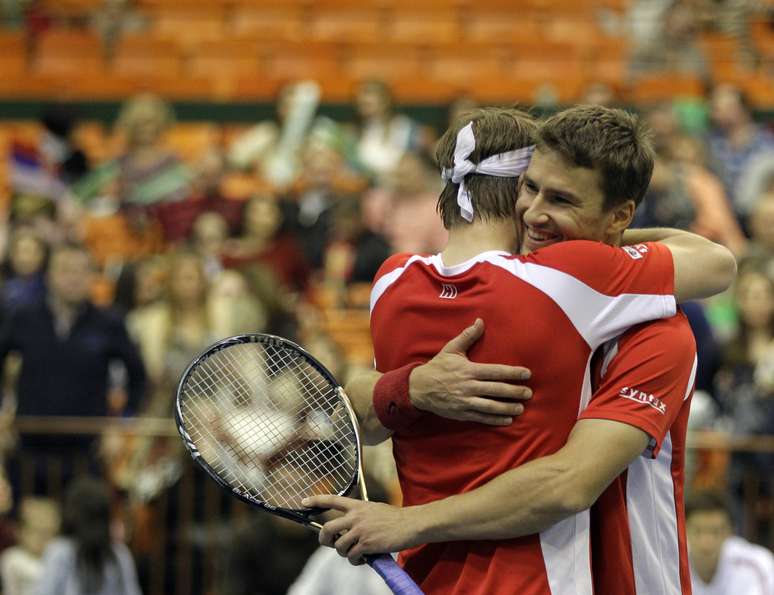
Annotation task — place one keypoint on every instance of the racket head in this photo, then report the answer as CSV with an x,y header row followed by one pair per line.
x,y
268,422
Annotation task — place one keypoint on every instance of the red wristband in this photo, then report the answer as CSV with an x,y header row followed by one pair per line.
x,y
391,399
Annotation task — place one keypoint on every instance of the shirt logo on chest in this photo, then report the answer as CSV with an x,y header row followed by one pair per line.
x,y
448,291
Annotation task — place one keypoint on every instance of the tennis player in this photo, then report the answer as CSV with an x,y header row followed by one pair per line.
x,y
436,457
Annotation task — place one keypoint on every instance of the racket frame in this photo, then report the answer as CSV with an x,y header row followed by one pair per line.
x,y
298,515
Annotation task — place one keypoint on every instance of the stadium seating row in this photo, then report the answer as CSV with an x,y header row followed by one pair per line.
x,y
74,64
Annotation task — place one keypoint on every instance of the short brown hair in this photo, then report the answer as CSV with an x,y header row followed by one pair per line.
x,y
614,142
707,501
497,130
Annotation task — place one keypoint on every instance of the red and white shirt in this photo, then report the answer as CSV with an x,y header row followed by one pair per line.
x,y
645,378
547,311
743,569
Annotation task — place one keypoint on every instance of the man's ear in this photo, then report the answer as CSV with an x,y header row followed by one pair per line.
x,y
621,217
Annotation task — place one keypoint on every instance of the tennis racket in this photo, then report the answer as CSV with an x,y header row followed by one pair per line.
x,y
270,424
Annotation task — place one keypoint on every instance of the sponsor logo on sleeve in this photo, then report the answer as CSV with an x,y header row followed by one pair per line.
x,y
448,291
636,252
642,397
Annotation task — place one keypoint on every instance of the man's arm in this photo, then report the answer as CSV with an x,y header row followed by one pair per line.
x,y
451,386
702,267
522,501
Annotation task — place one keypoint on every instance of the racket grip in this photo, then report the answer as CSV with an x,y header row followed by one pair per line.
x,y
396,578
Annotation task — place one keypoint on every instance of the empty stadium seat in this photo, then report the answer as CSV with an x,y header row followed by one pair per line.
x,y
69,53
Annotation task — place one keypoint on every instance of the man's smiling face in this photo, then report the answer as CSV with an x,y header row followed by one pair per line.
x,y
558,201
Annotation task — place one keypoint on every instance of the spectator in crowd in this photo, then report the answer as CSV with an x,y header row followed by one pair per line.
x,y
21,565
354,253
761,226
145,177
208,236
412,222
316,192
23,278
273,148
383,135
267,240
86,560
234,309
736,142
66,345
139,284
664,38
58,147
722,563
745,383
685,195
114,19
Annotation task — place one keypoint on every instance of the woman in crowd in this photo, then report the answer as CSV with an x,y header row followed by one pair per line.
x,y
86,560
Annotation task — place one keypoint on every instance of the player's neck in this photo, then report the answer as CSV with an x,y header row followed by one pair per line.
x,y
469,240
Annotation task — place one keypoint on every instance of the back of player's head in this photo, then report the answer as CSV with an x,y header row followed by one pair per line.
x,y
615,143
707,501
495,131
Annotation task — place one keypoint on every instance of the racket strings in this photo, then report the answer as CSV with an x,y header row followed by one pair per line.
x,y
269,424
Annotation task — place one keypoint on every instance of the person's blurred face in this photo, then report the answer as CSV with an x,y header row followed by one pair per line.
x,y
409,176
26,255
145,126
70,276
558,201
727,109
372,102
707,530
149,283
762,222
321,164
209,232
262,217
187,283
755,300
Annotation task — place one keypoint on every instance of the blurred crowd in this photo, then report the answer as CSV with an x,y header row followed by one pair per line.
x,y
117,272
123,257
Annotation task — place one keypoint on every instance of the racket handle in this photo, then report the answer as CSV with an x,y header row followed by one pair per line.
x,y
396,578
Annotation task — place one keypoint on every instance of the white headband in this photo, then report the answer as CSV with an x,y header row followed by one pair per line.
x,y
504,165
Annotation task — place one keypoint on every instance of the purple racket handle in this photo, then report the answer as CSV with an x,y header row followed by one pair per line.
x,y
396,578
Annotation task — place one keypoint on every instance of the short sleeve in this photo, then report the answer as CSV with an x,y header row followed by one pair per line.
x,y
641,269
646,376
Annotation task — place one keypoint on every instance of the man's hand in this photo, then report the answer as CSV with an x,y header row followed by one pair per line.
x,y
452,386
365,527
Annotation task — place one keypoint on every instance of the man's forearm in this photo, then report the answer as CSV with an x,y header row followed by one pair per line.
x,y
360,391
702,268
519,502
653,234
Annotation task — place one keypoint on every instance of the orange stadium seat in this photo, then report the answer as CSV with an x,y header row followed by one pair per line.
x,y
385,61
424,26
232,57
281,22
13,54
190,25
70,8
359,24
664,86
140,56
461,63
499,26
295,61
69,53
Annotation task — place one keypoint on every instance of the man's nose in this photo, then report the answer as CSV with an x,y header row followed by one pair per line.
x,y
535,213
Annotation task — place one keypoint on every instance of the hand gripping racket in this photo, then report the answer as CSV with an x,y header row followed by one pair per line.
x,y
270,424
